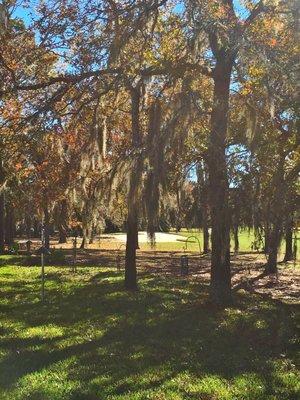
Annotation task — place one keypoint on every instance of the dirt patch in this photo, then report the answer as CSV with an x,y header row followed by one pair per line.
x,y
247,270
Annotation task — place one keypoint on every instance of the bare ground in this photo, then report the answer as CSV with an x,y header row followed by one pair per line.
x,y
247,270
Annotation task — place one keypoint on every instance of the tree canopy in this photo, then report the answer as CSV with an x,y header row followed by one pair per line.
x,y
152,113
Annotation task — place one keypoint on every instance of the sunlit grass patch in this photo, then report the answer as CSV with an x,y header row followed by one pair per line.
x,y
91,340
42,331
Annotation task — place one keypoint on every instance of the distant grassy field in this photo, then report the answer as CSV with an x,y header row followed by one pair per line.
x,y
111,242
246,238
91,340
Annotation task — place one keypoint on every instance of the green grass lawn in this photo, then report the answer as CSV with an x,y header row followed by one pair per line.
x,y
91,340
246,238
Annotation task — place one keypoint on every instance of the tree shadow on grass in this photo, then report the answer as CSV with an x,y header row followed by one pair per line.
x,y
11,260
165,327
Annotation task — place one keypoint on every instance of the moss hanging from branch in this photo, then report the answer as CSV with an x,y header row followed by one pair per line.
x,y
154,175
251,123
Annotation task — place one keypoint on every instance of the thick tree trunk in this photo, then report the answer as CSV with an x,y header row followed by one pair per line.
x,y
133,202
274,242
62,226
62,234
276,216
289,240
220,285
131,243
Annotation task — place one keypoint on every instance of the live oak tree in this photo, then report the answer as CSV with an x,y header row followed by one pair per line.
x,y
272,118
225,30
20,57
137,93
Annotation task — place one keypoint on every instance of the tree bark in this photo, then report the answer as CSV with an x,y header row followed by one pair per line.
x,y
267,236
36,228
85,237
62,234
83,243
133,203
236,239
47,227
289,240
130,261
28,225
206,248
276,216
9,225
62,226
91,236
2,211
137,237
273,244
220,285
2,223
203,195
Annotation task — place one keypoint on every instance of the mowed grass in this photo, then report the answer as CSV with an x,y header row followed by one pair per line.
x,y
246,240
92,340
187,242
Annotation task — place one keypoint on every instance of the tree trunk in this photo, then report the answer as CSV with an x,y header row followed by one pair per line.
x,y
274,242
9,225
133,201
47,227
276,216
2,210
203,197
137,236
205,236
85,237
267,236
288,240
204,207
83,243
130,261
179,213
91,236
36,228
2,222
62,226
220,285
62,234
236,239
28,224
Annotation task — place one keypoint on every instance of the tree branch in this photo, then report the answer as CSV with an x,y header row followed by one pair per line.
x,y
259,8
